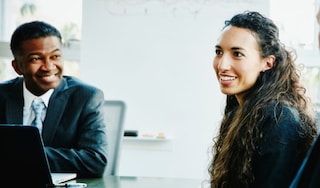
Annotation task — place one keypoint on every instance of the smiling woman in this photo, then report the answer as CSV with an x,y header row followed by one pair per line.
x,y
268,123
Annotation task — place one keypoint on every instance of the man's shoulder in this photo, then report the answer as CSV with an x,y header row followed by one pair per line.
x,y
11,82
72,81
71,84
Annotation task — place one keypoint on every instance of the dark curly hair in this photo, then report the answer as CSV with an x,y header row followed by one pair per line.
x,y
280,85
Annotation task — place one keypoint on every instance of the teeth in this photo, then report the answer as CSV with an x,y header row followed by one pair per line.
x,y
226,78
49,77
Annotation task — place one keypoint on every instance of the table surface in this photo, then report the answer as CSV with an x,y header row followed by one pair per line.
x,y
140,182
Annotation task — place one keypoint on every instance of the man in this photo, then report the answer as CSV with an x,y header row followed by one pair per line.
x,y
72,125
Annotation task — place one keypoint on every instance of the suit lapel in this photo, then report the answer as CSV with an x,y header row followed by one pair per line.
x,y
56,107
15,103
14,112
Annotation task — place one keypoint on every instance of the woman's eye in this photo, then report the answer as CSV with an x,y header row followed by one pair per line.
x,y
238,54
218,52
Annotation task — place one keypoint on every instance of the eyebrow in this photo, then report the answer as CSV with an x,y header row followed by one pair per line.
x,y
39,53
233,48
237,48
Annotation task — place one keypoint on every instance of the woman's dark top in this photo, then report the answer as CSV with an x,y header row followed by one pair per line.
x,y
281,149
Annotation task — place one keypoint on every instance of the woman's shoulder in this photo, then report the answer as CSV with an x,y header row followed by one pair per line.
x,y
282,120
281,112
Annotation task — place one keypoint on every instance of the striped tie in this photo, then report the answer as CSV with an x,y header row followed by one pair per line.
x,y
39,108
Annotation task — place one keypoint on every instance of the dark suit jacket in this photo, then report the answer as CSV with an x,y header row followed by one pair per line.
x,y
73,130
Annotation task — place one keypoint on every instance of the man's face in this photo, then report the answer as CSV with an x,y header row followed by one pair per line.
x,y
40,62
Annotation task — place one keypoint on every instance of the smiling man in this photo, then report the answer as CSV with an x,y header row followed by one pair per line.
x,y
71,121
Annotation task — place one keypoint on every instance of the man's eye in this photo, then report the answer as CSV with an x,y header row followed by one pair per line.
x,y
56,57
34,59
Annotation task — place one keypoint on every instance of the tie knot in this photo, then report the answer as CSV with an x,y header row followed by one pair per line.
x,y
37,105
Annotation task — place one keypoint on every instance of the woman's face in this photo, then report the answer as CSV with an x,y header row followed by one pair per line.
x,y
237,62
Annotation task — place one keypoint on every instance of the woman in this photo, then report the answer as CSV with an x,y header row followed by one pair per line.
x,y
268,122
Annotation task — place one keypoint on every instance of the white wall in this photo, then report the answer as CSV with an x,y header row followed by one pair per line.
x,y
157,57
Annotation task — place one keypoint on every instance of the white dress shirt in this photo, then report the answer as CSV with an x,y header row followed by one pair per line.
x,y
28,114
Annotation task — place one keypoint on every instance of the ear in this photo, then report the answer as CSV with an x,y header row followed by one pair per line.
x,y
16,67
268,63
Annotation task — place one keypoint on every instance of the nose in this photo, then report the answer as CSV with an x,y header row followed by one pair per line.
x,y
222,63
48,64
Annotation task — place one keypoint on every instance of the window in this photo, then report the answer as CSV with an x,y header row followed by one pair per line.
x,y
299,29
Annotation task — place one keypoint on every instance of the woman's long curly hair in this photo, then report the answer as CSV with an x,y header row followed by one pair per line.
x,y
235,145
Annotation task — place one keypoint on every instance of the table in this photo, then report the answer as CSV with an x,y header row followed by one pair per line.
x,y
140,182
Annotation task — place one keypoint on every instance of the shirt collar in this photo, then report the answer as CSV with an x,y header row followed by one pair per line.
x,y
28,96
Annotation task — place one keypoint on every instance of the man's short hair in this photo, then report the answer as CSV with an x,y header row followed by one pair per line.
x,y
31,30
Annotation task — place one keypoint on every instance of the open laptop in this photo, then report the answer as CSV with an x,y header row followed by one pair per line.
x,y
23,161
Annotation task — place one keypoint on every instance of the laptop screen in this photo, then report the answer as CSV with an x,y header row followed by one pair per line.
x,y
23,162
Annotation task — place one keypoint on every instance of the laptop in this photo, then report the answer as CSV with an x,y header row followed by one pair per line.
x,y
23,161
